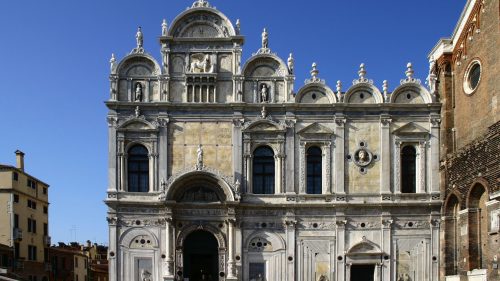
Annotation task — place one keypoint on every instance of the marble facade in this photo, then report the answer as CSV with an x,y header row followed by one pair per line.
x,y
202,114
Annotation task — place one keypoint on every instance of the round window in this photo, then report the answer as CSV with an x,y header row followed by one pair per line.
x,y
472,77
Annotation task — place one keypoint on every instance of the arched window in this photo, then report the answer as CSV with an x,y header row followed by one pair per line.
x,y
408,169
314,170
451,235
477,226
138,169
263,171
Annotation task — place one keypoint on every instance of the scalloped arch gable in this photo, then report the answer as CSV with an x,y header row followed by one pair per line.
x,y
374,91
270,61
138,60
130,234
414,88
327,91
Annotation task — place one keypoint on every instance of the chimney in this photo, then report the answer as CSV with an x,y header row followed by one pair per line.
x,y
20,160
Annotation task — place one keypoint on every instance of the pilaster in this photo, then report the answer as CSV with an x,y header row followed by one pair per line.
x,y
340,121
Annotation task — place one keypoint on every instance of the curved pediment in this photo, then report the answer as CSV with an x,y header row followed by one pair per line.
x,y
137,124
138,65
317,93
263,126
365,247
411,93
266,66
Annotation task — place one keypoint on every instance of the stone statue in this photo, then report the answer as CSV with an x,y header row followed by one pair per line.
x,y
264,93
291,63
139,38
199,161
137,112
164,28
112,63
322,278
265,39
404,277
138,92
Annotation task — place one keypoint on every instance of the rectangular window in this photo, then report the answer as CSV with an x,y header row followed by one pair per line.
x,y
16,198
16,250
31,204
31,225
257,271
31,253
16,221
15,176
45,190
45,229
76,275
31,183
76,263
46,254
45,209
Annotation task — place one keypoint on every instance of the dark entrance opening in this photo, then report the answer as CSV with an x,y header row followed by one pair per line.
x,y
200,256
362,272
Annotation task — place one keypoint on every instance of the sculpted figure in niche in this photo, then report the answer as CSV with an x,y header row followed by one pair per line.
x,y
362,157
322,278
404,277
145,275
138,92
264,93
200,64
139,37
265,39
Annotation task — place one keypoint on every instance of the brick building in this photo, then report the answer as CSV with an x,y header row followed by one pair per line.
x,y
467,69
68,263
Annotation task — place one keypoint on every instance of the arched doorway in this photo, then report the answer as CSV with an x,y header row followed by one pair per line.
x,y
201,256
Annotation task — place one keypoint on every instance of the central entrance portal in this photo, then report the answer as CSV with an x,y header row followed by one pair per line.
x,y
362,272
200,256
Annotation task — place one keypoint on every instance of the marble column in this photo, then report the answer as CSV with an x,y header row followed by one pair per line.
x,y
231,274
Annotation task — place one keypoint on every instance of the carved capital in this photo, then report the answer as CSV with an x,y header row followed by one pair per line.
x,y
340,121
112,121
386,122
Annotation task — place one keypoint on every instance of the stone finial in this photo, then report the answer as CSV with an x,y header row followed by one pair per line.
x,y
112,63
238,26
339,90
314,75
291,63
314,71
362,71
409,75
265,39
164,28
362,76
200,3
409,70
385,89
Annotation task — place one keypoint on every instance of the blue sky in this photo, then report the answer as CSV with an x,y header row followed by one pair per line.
x,y
54,67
